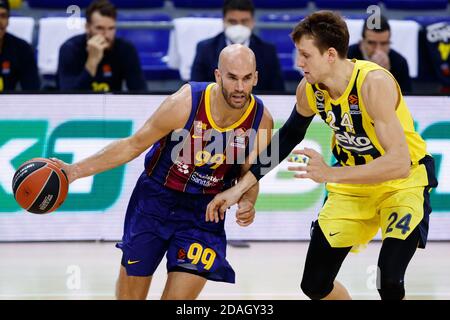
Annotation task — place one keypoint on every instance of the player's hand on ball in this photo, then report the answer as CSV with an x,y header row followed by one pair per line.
x,y
218,206
67,168
316,169
245,214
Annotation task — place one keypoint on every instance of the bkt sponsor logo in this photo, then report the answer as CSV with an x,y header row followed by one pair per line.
x,y
354,142
70,141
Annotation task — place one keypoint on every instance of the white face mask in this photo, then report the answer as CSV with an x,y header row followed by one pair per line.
x,y
238,33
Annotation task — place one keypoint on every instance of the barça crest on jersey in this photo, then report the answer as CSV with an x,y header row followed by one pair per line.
x,y
239,140
199,126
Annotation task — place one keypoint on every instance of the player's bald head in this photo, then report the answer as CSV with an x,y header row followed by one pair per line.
x,y
237,57
236,74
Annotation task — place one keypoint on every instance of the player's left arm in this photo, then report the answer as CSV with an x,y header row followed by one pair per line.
x,y
246,211
381,97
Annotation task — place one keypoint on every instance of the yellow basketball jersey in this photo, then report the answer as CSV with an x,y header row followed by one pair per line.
x,y
354,141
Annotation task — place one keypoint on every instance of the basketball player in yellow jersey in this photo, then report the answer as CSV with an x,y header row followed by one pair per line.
x,y
383,175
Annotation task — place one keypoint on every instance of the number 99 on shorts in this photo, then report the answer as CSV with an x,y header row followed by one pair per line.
x,y
197,253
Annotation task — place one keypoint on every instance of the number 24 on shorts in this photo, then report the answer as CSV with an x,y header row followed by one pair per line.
x,y
402,224
197,254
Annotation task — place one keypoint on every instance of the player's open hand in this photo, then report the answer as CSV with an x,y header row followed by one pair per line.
x,y
67,168
218,206
245,214
316,169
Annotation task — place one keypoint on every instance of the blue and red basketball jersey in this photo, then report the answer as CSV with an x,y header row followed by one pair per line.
x,y
204,159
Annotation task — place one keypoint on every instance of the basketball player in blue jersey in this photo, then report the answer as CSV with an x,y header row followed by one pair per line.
x,y
166,212
383,174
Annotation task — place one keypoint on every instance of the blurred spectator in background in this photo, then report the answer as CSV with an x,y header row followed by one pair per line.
x,y
238,19
375,47
17,62
98,61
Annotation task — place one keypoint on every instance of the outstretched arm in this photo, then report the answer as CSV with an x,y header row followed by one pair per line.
x,y
172,114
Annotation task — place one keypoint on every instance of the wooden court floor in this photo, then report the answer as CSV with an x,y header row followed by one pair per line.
x,y
265,270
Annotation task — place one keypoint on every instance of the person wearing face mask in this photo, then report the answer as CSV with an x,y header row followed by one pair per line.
x,y
17,63
238,19
98,61
375,47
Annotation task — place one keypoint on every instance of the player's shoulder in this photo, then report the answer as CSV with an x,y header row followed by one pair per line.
x,y
301,87
181,99
267,119
377,79
175,110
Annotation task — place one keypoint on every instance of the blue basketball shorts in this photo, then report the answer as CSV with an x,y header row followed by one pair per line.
x,y
163,221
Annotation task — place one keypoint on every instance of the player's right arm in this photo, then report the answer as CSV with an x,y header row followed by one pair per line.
x,y
172,114
283,142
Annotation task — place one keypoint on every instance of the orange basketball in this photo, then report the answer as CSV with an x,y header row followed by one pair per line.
x,y
40,186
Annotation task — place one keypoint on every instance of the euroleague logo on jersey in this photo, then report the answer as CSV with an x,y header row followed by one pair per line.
x,y
353,99
353,104
181,255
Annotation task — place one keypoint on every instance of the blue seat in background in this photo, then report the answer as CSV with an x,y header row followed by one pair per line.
x,y
280,4
345,4
204,4
355,16
282,41
138,3
85,3
416,4
152,45
57,3
205,15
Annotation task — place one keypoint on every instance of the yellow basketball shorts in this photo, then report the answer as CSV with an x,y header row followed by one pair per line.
x,y
352,216
352,221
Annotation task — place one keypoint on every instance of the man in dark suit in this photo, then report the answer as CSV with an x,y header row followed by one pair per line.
x,y
375,47
238,18
98,61
17,63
